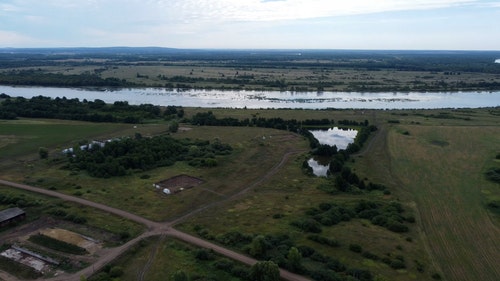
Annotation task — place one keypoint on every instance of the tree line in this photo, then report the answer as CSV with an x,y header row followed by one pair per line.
x,y
74,109
40,78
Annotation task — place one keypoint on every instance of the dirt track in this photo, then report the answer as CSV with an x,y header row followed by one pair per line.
x,y
154,229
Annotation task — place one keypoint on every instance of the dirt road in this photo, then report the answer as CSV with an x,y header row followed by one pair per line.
x,y
154,229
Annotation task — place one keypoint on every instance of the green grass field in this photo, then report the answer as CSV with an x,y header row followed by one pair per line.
x,y
159,258
433,162
443,168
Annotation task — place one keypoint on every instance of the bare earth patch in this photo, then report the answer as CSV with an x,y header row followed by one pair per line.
x,y
25,259
70,237
178,183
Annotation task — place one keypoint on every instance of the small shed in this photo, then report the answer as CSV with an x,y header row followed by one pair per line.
x,y
11,215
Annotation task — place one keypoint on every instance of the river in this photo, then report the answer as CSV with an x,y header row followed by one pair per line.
x,y
267,99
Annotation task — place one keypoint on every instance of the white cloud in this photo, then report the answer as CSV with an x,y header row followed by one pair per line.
x,y
258,10
245,23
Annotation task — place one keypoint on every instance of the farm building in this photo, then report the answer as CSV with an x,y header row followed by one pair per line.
x,y
11,215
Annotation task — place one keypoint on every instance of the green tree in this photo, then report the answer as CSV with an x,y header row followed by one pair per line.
x,y
258,246
265,271
294,259
174,127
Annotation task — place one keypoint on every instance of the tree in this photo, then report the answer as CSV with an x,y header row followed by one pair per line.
x,y
265,271
43,152
174,127
258,246
294,259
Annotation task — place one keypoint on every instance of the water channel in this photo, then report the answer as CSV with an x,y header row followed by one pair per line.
x,y
267,99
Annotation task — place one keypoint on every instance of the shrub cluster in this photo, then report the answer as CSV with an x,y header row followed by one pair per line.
x,y
388,215
121,157
281,250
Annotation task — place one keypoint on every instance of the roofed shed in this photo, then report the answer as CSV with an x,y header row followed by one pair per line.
x,y
11,215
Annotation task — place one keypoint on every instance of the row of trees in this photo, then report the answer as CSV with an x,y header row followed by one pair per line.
x,y
40,78
74,109
209,119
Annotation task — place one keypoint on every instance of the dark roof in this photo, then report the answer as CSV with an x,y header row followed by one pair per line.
x,y
8,214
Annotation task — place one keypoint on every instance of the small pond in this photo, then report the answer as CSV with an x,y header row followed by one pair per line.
x,y
333,136
319,166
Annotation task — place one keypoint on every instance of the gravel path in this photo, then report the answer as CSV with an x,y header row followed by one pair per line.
x,y
154,229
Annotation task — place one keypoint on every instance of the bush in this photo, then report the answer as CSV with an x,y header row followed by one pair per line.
x,y
204,255
324,240
493,174
224,264
355,248
397,264
436,276
278,216
240,271
370,255
307,225
116,271
397,226
306,251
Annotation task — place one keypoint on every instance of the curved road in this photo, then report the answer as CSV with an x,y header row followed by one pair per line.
x,y
154,228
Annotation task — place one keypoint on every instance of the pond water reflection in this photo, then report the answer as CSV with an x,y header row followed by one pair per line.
x,y
333,136
319,166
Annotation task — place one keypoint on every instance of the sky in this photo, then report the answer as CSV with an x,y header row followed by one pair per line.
x,y
253,24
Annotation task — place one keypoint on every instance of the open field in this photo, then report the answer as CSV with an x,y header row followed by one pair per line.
x,y
443,169
433,162
159,258
252,156
294,70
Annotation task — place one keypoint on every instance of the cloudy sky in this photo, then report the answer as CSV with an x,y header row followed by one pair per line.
x,y
253,24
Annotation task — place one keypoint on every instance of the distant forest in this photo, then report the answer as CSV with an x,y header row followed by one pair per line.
x,y
465,61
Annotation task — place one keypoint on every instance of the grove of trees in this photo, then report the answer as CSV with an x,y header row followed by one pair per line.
x,y
124,156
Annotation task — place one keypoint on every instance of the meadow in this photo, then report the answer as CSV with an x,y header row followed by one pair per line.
x,y
291,70
432,161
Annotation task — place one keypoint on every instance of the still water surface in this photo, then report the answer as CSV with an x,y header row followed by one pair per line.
x,y
333,136
267,99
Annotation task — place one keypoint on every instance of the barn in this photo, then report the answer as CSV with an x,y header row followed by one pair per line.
x,y
11,215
